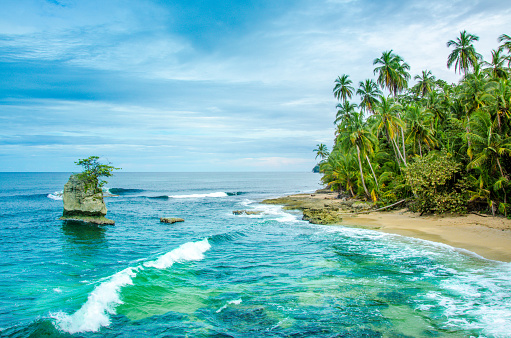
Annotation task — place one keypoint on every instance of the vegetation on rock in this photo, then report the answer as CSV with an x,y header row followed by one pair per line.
x,y
93,170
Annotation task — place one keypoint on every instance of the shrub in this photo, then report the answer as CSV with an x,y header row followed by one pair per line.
x,y
92,171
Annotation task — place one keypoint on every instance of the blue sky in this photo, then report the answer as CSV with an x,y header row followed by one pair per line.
x,y
188,85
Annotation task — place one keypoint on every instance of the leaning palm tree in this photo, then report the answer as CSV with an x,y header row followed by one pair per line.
x,y
464,56
343,89
392,72
368,91
426,83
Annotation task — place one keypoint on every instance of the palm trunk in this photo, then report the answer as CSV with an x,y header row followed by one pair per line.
x,y
362,173
372,170
420,148
398,152
404,149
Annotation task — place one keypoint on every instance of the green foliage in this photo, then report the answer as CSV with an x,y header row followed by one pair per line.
x,y
447,147
93,170
434,183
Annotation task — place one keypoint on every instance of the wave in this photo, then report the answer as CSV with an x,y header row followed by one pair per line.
x,y
213,194
103,300
56,196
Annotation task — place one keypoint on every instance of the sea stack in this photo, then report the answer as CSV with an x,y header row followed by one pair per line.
x,y
82,203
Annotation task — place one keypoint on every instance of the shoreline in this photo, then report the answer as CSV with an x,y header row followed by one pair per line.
x,y
488,237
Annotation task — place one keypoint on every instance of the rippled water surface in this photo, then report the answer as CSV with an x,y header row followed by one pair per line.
x,y
222,275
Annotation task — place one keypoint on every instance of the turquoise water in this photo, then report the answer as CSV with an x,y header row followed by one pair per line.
x,y
221,275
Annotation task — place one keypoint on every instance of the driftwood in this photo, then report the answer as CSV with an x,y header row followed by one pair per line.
x,y
382,208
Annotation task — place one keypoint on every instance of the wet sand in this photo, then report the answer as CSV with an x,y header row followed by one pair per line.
x,y
489,237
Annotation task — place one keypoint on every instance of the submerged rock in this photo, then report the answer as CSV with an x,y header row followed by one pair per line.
x,y
171,220
82,204
246,212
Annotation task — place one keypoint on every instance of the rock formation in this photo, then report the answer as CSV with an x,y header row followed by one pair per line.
x,y
171,220
246,212
83,204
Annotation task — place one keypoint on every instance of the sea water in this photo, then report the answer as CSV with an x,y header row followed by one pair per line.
x,y
222,275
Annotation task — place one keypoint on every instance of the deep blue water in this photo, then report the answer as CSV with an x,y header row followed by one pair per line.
x,y
221,275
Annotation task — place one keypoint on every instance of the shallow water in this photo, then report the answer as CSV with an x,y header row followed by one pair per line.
x,y
221,275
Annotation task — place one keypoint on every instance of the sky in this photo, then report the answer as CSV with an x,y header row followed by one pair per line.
x,y
205,85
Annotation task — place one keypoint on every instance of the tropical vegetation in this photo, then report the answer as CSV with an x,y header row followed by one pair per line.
x,y
92,172
441,147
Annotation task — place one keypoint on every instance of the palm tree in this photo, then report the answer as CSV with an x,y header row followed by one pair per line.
x,y
343,89
497,101
419,123
496,67
426,83
345,111
506,39
386,119
392,72
464,56
355,132
321,151
368,91
340,170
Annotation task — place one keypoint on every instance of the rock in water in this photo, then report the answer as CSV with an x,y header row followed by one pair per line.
x,y
171,220
81,204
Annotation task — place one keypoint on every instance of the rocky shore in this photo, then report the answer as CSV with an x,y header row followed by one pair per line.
x,y
489,237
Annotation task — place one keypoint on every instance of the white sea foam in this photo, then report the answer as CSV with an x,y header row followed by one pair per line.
x,y
191,251
235,302
104,299
213,194
56,196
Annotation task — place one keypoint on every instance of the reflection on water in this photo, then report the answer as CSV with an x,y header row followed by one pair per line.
x,y
85,237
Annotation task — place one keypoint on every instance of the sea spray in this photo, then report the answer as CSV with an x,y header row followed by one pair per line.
x,y
104,299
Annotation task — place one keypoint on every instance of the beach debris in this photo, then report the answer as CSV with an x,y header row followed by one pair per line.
x,y
246,212
82,204
171,220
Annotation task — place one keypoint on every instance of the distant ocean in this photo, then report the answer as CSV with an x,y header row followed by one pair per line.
x,y
224,275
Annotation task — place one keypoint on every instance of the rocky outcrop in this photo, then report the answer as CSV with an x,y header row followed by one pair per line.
x,y
83,204
171,220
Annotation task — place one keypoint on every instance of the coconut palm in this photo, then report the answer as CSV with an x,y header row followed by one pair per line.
x,y
340,170
386,119
321,151
497,67
464,56
506,39
392,72
355,132
343,89
344,112
426,83
419,123
497,101
368,91
488,146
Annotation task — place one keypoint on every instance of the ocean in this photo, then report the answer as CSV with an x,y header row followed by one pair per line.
x,y
223,275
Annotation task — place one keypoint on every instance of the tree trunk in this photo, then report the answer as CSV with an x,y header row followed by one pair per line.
x,y
404,148
372,170
362,173
420,148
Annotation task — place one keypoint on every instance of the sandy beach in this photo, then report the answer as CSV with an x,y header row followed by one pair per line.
x,y
489,237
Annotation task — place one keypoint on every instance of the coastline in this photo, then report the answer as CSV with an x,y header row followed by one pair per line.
x,y
489,237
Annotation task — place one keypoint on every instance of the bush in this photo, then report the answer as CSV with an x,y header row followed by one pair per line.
x,y
437,184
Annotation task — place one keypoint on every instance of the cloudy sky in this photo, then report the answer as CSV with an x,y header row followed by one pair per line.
x,y
204,85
